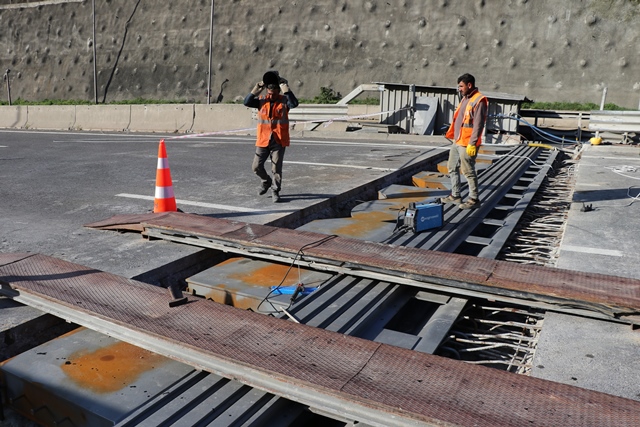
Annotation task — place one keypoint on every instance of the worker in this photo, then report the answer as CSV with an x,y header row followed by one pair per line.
x,y
273,128
466,133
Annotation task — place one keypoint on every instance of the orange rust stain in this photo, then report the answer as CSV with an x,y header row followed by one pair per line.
x,y
364,223
270,275
230,261
387,213
222,296
413,192
419,181
110,368
433,180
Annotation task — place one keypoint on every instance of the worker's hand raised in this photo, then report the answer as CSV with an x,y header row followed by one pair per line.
x,y
472,150
284,85
257,88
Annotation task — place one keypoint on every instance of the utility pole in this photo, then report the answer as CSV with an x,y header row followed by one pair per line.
x,y
6,77
95,69
210,54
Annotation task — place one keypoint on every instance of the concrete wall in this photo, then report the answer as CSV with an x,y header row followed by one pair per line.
x,y
168,118
547,50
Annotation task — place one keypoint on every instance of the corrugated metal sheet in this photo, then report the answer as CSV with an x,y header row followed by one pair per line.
x,y
397,96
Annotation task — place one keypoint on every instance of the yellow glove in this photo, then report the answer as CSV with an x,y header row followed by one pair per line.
x,y
284,88
472,150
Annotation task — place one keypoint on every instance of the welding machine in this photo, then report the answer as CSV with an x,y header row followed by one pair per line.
x,y
423,216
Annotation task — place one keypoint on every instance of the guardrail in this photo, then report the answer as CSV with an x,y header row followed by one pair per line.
x,y
620,122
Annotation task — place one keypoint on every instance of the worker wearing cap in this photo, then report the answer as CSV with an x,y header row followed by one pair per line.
x,y
273,128
466,132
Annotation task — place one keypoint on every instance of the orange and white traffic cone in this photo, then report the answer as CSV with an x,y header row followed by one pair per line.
x,y
165,201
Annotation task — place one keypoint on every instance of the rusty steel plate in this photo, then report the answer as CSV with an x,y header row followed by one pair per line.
x,y
406,385
131,222
11,258
194,224
462,271
574,285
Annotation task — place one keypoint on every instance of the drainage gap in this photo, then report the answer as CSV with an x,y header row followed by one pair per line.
x,y
495,335
537,236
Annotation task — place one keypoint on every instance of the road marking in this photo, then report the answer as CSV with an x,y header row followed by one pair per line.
x,y
333,165
609,158
594,251
190,203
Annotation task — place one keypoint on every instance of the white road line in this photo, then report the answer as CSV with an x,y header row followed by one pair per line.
x,y
594,251
334,165
369,144
625,159
190,203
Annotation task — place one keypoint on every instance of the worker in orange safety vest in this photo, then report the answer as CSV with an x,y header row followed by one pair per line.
x,y
466,133
273,128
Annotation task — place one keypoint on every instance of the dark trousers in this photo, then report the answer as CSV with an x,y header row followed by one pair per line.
x,y
274,151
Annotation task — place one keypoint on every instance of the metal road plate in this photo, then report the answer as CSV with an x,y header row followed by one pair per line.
x,y
373,231
343,374
87,376
248,284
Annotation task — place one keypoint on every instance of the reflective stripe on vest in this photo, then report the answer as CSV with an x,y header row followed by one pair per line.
x,y
273,120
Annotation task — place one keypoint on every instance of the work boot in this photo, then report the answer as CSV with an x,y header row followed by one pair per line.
x,y
470,204
264,188
276,195
451,199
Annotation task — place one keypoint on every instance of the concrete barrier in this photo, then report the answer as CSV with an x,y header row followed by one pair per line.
x,y
169,118
161,118
103,117
365,110
61,117
13,117
223,117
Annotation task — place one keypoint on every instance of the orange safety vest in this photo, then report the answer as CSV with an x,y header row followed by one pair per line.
x,y
273,118
467,125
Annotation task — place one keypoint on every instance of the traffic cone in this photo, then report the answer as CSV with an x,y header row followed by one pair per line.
x,y
164,201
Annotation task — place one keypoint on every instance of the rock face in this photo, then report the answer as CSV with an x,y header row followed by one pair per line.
x,y
547,50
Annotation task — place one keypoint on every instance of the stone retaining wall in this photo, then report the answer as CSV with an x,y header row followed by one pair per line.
x,y
547,50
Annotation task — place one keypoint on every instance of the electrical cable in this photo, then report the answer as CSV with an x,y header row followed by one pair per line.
x,y
542,134
634,199
300,253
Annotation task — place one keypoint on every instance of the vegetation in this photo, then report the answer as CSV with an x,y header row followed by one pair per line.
x,y
569,106
326,96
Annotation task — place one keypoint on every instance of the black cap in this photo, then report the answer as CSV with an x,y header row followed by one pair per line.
x,y
271,78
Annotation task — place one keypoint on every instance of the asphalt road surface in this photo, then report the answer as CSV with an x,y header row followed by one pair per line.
x,y
52,183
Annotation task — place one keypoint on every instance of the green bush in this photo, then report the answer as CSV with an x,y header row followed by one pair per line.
x,y
327,96
569,106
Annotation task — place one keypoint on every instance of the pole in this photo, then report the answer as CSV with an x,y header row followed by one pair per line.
x,y
6,77
210,54
604,96
412,117
95,69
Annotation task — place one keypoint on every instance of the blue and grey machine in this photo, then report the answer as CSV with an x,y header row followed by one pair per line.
x,y
423,216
